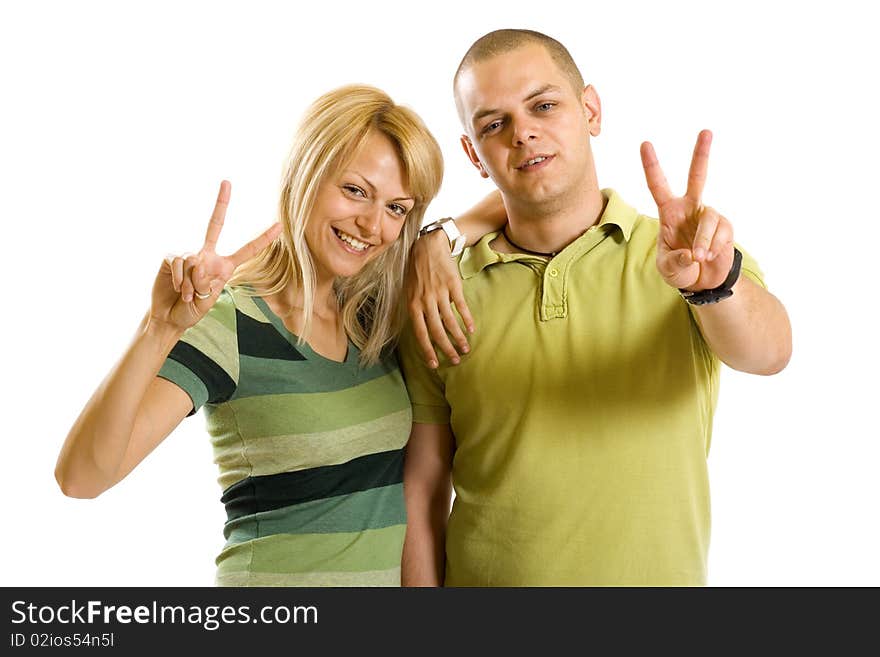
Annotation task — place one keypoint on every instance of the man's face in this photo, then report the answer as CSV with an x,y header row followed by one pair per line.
x,y
526,128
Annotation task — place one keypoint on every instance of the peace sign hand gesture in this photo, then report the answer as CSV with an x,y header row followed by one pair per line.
x,y
187,286
695,243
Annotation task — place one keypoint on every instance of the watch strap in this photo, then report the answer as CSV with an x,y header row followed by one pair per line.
x,y
456,238
721,292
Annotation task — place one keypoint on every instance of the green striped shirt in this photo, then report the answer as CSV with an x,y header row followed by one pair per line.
x,y
310,450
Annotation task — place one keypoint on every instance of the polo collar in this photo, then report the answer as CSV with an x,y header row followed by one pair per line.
x,y
617,215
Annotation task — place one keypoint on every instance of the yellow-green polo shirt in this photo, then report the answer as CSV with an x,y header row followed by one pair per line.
x,y
582,416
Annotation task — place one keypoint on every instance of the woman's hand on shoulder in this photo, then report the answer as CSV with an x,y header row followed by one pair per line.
x,y
188,285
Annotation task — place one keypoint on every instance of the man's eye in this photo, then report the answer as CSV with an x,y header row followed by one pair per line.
x,y
545,107
492,126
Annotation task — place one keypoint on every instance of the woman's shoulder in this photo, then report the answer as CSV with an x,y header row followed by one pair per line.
x,y
245,300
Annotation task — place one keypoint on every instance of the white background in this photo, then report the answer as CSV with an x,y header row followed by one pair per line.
x,y
118,120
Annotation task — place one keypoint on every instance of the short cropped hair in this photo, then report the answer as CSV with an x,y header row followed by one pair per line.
x,y
503,41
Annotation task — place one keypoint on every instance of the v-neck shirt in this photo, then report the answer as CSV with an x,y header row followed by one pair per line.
x,y
351,353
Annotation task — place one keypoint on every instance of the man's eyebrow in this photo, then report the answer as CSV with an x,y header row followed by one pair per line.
x,y
537,92
542,90
373,187
486,112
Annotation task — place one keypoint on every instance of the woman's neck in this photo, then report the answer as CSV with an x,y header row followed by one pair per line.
x,y
290,302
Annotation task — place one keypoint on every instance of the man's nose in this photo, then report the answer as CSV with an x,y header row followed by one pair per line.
x,y
523,130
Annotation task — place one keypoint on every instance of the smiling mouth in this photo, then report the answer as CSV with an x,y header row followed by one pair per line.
x,y
535,162
353,243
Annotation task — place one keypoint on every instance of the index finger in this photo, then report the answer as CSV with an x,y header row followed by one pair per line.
x,y
217,217
253,247
654,175
699,166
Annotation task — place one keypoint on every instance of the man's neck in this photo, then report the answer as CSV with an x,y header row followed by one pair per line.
x,y
548,229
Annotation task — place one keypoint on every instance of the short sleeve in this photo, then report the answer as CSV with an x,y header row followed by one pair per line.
x,y
204,362
426,390
751,269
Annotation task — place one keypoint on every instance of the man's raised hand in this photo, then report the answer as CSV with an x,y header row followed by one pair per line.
x,y
695,243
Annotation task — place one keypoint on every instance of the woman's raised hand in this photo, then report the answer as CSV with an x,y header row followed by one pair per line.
x,y
187,286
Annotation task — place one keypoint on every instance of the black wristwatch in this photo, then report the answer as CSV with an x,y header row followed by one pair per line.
x,y
723,291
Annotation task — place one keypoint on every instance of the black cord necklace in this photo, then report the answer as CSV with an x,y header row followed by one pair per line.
x,y
525,250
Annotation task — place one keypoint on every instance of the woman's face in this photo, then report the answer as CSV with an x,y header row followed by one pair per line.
x,y
359,211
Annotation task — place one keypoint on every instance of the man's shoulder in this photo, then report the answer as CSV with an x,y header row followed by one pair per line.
x,y
474,259
645,228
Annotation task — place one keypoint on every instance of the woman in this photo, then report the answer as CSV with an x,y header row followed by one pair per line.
x,y
288,345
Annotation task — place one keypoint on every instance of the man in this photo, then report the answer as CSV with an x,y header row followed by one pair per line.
x,y
576,429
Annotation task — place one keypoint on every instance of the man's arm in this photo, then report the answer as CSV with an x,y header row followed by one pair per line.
x,y
427,486
486,216
749,331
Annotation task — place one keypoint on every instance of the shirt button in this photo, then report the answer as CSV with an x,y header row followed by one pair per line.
x,y
553,272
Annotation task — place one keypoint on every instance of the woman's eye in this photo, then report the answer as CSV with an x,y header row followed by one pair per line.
x,y
397,209
354,189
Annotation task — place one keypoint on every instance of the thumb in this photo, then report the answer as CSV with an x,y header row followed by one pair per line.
x,y
678,268
216,287
673,262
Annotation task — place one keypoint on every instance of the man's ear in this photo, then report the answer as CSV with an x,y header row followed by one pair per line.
x,y
472,155
593,107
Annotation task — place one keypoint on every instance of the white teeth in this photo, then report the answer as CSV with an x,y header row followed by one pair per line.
x,y
352,241
536,160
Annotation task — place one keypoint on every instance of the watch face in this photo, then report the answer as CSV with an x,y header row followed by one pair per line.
x,y
451,230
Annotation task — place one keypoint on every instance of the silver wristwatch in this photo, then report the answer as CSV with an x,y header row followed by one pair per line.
x,y
456,238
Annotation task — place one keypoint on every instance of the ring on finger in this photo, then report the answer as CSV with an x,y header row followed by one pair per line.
x,y
203,296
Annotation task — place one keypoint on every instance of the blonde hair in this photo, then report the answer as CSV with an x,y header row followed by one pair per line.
x,y
330,135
